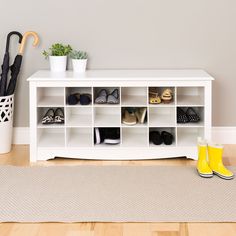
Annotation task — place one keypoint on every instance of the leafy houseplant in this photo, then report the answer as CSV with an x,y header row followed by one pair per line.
x,y
79,60
57,55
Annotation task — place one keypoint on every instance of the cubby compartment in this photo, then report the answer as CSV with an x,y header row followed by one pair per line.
x,y
141,112
199,111
107,137
107,116
154,91
97,90
190,96
51,137
78,90
79,137
134,96
79,116
50,96
188,136
170,130
41,112
162,117
134,137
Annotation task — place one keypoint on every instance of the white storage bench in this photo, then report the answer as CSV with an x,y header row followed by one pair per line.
x,y
75,138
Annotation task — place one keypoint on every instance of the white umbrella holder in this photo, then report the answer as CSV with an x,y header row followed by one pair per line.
x,y
6,123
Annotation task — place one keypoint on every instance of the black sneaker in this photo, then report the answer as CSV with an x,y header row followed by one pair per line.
x,y
112,136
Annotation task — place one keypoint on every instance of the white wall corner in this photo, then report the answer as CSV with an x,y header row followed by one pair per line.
x,y
224,135
21,135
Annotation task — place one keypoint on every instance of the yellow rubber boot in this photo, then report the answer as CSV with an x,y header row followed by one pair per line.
x,y
202,165
215,154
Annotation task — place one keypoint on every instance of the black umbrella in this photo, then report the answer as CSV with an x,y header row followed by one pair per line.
x,y
5,65
15,68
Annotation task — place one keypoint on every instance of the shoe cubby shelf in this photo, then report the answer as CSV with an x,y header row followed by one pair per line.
x,y
75,138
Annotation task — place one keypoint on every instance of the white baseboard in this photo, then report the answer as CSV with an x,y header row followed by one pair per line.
x,y
21,135
224,135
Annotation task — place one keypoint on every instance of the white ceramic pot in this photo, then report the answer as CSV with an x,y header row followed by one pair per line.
x,y
79,65
58,63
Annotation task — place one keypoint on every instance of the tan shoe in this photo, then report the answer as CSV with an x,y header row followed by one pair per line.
x,y
129,118
154,97
167,96
141,114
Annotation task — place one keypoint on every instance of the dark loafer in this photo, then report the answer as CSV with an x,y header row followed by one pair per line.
x,y
155,137
85,99
167,137
73,99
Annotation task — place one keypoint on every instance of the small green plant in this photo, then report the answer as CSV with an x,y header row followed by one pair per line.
x,y
58,49
79,55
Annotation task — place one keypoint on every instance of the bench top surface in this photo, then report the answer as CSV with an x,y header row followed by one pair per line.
x,y
130,75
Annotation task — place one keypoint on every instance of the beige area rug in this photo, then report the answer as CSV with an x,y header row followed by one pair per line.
x,y
114,194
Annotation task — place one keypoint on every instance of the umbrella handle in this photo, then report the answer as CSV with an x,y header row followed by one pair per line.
x,y
25,36
9,36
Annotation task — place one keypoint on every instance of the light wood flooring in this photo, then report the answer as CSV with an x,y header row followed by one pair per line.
x,y
20,157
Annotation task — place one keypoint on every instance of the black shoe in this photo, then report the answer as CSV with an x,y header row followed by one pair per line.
x,y
73,99
112,136
167,138
181,116
192,115
85,99
99,134
155,137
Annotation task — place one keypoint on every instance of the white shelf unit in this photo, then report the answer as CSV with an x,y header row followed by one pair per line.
x,y
75,138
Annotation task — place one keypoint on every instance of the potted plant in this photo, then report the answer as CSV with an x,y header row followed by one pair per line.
x,y
79,60
57,55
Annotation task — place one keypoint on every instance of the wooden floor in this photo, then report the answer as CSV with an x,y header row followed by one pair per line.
x,y
20,157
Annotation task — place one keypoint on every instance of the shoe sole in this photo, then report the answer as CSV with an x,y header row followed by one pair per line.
x,y
205,175
112,141
129,123
222,176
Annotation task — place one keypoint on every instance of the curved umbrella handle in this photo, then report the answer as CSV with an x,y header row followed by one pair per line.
x,y
9,36
25,36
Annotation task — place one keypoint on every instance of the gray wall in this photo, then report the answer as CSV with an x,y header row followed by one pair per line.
x,y
133,34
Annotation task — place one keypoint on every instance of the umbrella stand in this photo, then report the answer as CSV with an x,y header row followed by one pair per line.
x,y
5,65
6,123
15,68
7,102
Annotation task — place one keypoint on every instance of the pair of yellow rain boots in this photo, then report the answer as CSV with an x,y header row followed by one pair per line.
x,y
210,161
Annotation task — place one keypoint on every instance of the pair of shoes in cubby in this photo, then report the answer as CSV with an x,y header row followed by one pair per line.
x,y
132,116
158,138
107,136
155,98
104,97
83,99
53,117
190,115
